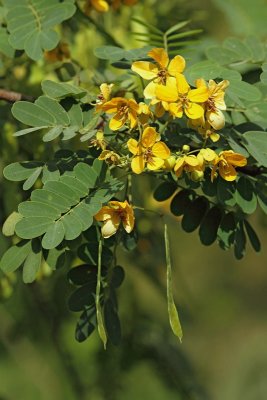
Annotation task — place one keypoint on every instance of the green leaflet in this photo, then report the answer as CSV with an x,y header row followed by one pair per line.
x,y
61,90
32,263
31,24
256,144
32,114
15,256
10,223
172,310
5,47
54,108
21,171
245,195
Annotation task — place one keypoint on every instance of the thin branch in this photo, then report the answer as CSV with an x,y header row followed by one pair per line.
x,y
12,97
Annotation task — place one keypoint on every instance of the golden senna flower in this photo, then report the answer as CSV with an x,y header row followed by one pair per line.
x,y
159,72
104,95
187,163
149,152
215,102
104,5
206,156
98,141
97,5
114,214
182,98
226,161
60,53
110,157
125,111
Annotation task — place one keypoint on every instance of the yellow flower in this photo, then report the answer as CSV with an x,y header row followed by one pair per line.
x,y
206,156
125,111
159,72
99,141
104,95
182,98
215,102
113,215
98,5
148,152
226,162
110,157
187,163
60,53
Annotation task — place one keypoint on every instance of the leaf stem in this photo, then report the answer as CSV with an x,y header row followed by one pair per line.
x,y
100,323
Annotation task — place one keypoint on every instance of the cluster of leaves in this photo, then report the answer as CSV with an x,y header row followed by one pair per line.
x,y
30,25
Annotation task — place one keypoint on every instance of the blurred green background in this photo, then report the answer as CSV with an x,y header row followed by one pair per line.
x,y
222,302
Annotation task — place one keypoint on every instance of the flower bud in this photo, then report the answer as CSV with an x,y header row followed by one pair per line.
x,y
197,175
186,148
169,163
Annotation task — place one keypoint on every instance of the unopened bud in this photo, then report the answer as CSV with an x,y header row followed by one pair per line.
x,y
169,163
197,175
186,148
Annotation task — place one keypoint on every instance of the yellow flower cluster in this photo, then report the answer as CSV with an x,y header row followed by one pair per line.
x,y
104,5
169,92
166,92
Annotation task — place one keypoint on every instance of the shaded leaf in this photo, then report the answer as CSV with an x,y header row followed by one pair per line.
x,y
15,256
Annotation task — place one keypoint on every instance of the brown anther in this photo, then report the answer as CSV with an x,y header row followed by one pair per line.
x,y
211,105
162,75
148,156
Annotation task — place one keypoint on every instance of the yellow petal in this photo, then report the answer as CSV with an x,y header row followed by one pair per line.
x,y
133,105
235,158
155,163
182,84
177,65
100,5
160,150
208,154
149,137
167,92
214,137
116,122
179,164
227,171
194,111
133,118
200,83
216,119
199,95
145,69
105,213
113,105
128,220
191,160
110,226
133,146
160,56
150,91
105,90
159,110
138,164
103,154
176,110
